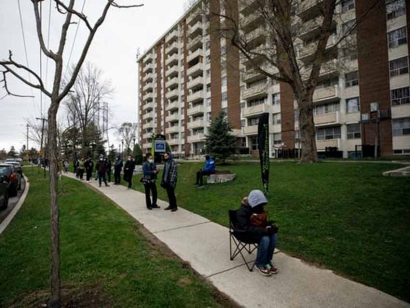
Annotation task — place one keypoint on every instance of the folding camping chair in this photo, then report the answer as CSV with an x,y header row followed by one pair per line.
x,y
240,245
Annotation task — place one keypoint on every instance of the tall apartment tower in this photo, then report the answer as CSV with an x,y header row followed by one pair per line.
x,y
362,99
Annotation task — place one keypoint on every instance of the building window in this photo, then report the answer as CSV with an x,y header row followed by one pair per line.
x,y
297,136
328,133
353,131
256,102
400,96
224,96
399,66
397,37
253,121
243,142
351,79
209,116
276,118
402,151
401,127
243,105
208,101
277,139
347,5
352,105
254,143
395,9
276,99
327,108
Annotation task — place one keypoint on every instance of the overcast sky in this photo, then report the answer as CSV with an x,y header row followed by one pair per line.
x,y
113,51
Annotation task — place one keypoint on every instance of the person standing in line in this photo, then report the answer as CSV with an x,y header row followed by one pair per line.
x,y
169,181
80,168
129,171
101,167
109,165
89,167
117,170
76,163
150,172
65,165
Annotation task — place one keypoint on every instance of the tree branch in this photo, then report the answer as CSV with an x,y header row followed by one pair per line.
x,y
114,4
74,12
48,53
7,89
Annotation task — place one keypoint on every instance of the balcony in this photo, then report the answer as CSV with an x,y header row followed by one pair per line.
x,y
326,94
311,28
196,29
147,86
196,69
195,43
196,110
175,141
148,77
147,145
148,96
255,91
194,16
250,22
172,59
172,94
147,135
323,144
148,115
255,110
171,82
252,75
172,129
255,37
196,124
310,49
196,82
248,7
173,71
250,130
148,106
172,48
172,106
149,67
327,69
308,9
195,54
327,118
196,138
173,35
173,117
196,97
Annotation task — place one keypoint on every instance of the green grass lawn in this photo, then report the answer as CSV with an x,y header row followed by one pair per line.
x,y
106,258
344,216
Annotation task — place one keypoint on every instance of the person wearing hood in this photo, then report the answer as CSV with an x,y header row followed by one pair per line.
x,y
89,166
117,170
150,171
129,171
101,167
265,233
169,181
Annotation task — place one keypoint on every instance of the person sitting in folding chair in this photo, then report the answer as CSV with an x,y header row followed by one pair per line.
x,y
252,226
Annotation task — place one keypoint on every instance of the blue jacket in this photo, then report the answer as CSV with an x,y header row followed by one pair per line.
x,y
148,171
209,165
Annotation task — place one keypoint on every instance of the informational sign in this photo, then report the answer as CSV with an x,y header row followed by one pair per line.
x,y
160,146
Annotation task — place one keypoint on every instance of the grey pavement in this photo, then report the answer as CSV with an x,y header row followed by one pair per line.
x,y
398,172
205,245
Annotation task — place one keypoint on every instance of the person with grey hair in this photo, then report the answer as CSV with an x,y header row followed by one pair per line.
x,y
250,227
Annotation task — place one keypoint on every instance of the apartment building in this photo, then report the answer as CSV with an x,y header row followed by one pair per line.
x,y
362,98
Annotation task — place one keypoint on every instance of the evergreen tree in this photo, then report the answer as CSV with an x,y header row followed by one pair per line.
x,y
12,152
220,143
138,154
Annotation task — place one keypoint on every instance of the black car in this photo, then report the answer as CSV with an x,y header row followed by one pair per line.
x,y
4,195
12,178
17,167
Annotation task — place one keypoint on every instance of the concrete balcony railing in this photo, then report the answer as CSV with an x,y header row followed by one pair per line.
x,y
172,70
194,15
248,19
172,82
254,91
172,94
327,68
194,42
150,66
172,129
255,110
171,35
147,145
148,115
148,106
196,68
250,130
173,46
172,118
306,5
196,96
327,118
310,26
149,76
196,124
175,141
196,138
323,144
195,54
148,96
196,28
147,135
147,86
258,33
195,82
310,49
196,110
173,58
326,93
171,106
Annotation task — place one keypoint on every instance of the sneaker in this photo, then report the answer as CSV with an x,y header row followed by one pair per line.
x,y
263,270
272,269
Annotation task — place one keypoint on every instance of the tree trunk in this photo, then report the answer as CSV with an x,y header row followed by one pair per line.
x,y
55,299
307,129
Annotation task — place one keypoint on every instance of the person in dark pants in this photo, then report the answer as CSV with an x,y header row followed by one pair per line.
x,y
89,167
101,167
150,172
169,181
108,169
207,170
75,165
129,171
117,170
80,168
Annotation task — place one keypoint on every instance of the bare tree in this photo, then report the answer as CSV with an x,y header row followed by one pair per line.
x,y
127,132
57,94
35,131
272,47
85,102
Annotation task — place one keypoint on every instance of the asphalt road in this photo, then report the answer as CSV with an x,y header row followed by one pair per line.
x,y
12,202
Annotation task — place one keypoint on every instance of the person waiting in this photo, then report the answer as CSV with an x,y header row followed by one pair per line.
x,y
150,172
208,169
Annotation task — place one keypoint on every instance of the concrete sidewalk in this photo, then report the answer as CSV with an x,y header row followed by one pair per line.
x,y
205,245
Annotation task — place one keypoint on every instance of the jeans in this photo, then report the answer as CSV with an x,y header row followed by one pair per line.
x,y
150,187
266,248
171,197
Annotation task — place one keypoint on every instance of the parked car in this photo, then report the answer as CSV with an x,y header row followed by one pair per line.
x,y
4,195
17,167
12,177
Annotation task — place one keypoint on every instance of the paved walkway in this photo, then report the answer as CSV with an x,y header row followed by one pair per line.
x,y
205,245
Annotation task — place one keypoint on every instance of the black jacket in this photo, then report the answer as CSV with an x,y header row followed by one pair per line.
x,y
244,231
89,166
129,170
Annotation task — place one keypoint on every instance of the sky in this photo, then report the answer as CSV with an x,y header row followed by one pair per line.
x,y
122,35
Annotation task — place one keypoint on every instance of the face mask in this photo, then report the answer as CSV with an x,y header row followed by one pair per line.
x,y
129,158
150,161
